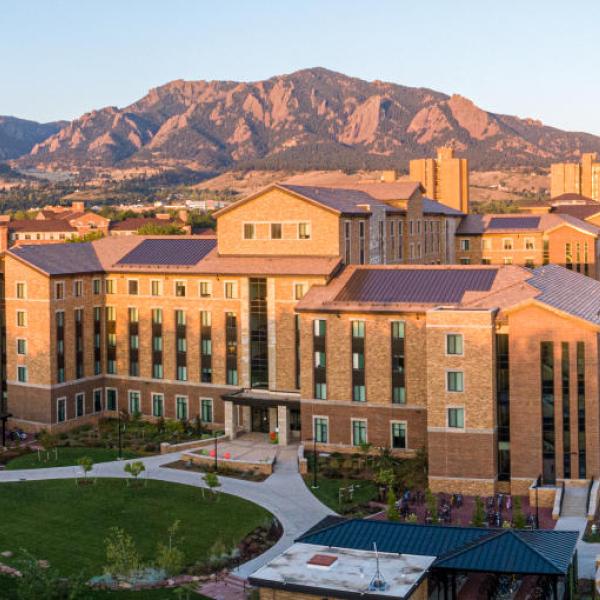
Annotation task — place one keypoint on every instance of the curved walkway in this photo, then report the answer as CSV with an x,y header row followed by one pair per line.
x,y
284,493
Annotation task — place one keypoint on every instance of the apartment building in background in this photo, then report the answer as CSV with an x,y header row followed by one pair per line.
x,y
576,178
444,178
320,313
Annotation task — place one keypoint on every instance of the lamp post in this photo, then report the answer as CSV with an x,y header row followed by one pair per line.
x,y
315,464
216,448
120,455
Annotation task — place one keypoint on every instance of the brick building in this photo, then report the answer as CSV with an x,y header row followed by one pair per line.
x,y
321,313
576,178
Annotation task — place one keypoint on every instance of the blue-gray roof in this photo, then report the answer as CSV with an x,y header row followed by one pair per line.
x,y
457,548
568,291
61,259
169,252
346,201
432,207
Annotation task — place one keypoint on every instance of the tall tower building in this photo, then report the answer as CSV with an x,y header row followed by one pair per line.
x,y
576,178
445,178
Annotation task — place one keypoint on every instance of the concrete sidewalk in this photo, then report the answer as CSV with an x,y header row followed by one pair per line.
x,y
283,494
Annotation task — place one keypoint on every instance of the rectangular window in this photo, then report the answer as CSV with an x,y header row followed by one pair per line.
x,y
507,244
231,348
399,435
158,403
299,291
456,418
181,373
398,358
111,399
96,287
230,289
181,403
206,410
320,367
180,289
78,288
455,381
59,290
358,361
22,374
347,241
205,289
61,410
110,286
157,371
79,405
132,287
359,432
529,244
275,231
157,316
321,391
205,346
134,403
21,346
258,333
321,430
454,343
21,290
304,231
547,401
465,245
97,400
156,287
249,231
581,408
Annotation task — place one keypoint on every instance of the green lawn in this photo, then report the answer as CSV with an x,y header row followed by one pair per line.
x,y
66,524
8,592
67,456
328,491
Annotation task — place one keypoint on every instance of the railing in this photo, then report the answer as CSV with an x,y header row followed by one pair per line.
x,y
589,496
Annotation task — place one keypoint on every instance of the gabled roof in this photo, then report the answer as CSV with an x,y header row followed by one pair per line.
x,y
457,548
541,552
345,201
579,211
60,259
432,207
35,225
568,291
176,251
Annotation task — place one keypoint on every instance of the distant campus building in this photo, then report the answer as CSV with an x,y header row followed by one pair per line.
x,y
333,314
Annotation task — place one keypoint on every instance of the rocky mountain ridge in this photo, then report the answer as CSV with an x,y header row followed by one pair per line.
x,y
312,118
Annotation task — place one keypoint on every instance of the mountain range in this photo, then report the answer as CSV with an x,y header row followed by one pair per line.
x,y
314,118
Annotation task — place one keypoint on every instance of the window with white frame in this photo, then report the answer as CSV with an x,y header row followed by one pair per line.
x,y
181,407
398,435
156,287
21,318
205,289
22,373
180,289
21,290
79,404
304,231
59,290
158,405
321,430
78,288
61,410
359,432
230,289
529,244
507,243
110,286
206,410
134,402
21,346
249,231
299,290
455,381
454,343
98,400
456,418
465,245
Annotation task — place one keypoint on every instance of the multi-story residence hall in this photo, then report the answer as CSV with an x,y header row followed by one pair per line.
x,y
275,325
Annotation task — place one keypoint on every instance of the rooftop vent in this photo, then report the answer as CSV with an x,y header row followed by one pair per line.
x,y
321,561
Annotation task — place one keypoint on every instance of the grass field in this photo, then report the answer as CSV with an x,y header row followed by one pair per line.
x,y
67,456
67,524
328,491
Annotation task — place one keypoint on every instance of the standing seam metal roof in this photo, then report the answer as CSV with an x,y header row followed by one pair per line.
x,y
429,286
458,548
181,252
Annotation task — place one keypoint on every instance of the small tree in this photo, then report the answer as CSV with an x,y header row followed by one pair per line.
x,y
169,557
365,448
518,518
122,558
212,481
431,502
86,464
135,469
392,510
478,518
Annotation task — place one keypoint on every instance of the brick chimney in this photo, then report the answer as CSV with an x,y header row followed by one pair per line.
x,y
3,236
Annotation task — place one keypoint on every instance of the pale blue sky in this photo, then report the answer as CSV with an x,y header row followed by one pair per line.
x,y
532,58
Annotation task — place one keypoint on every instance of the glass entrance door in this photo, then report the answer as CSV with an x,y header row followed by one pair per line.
x,y
260,419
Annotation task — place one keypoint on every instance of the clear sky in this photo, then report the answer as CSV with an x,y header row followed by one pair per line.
x,y
531,58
